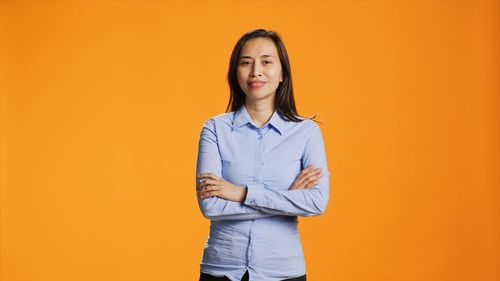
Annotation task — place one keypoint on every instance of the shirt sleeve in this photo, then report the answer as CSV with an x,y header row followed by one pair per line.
x,y
298,202
209,161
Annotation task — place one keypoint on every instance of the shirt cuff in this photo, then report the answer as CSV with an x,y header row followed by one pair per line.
x,y
254,192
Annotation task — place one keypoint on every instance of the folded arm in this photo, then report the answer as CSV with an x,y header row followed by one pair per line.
x,y
209,161
301,202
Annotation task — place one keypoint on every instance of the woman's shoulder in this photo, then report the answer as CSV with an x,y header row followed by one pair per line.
x,y
222,117
304,123
225,118
305,128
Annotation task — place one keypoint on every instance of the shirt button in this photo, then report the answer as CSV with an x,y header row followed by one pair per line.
x,y
260,138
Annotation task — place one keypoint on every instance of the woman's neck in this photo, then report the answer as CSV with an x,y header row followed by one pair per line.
x,y
259,112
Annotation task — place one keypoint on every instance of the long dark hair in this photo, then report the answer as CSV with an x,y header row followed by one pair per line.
x,y
284,101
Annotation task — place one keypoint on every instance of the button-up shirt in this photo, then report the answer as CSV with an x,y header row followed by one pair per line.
x,y
260,234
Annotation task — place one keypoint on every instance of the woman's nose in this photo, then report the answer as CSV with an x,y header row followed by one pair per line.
x,y
256,70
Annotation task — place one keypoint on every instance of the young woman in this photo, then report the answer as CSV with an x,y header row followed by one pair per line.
x,y
259,166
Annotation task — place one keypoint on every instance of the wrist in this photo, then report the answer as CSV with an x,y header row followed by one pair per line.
x,y
244,197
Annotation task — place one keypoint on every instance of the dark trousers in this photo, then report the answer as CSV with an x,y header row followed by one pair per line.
x,y
208,277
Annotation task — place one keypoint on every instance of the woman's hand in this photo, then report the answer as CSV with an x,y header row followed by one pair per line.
x,y
215,186
307,178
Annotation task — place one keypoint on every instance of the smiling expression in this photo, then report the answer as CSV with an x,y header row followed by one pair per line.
x,y
259,69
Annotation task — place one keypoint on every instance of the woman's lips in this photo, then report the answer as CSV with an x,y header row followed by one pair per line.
x,y
255,85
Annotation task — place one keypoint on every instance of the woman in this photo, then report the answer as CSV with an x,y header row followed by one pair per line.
x,y
259,167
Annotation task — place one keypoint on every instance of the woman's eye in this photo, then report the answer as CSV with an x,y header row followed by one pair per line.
x,y
267,62
245,62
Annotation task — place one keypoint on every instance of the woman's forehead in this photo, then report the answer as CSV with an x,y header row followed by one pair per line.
x,y
258,47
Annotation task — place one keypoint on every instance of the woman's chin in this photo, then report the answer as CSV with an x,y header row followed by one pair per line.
x,y
258,96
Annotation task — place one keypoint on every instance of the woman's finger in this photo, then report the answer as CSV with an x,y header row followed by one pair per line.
x,y
309,172
314,176
305,176
312,180
209,182
204,191
210,193
311,184
303,179
302,174
207,194
306,170
209,187
201,185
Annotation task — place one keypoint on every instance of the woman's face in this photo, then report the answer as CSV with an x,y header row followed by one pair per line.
x,y
259,69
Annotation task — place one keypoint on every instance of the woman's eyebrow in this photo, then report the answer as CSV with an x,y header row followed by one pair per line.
x,y
249,57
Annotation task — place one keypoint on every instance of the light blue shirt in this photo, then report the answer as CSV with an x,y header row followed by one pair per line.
x,y
260,234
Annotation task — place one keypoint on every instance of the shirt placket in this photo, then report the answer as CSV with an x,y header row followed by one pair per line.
x,y
258,178
259,156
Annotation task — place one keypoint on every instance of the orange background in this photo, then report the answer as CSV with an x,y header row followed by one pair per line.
x,y
102,103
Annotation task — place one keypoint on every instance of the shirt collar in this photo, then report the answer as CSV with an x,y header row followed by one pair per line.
x,y
241,117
